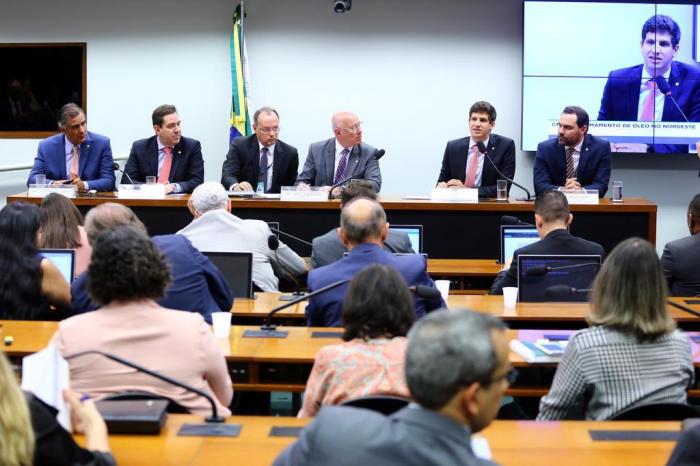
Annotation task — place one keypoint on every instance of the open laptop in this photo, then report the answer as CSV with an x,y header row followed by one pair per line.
x,y
515,237
415,235
64,259
237,268
537,273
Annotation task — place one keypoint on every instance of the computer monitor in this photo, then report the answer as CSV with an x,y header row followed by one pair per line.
x,y
537,273
515,237
415,235
64,259
237,268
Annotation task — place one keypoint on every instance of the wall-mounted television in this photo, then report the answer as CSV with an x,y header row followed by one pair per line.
x,y
641,89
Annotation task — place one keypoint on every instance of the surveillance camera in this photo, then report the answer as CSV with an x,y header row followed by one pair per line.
x,y
341,6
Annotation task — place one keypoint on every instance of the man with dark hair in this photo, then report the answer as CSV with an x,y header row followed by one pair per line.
x,y
328,248
75,156
633,94
457,370
575,159
363,230
681,258
260,159
175,161
552,219
464,163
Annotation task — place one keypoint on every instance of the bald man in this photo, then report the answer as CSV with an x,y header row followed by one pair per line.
x,y
342,157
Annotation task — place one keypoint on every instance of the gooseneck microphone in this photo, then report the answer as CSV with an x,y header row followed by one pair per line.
x,y
115,166
377,155
540,270
274,243
483,150
214,412
665,88
280,232
563,291
510,220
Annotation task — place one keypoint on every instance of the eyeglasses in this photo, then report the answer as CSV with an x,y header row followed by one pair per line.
x,y
275,129
353,129
509,376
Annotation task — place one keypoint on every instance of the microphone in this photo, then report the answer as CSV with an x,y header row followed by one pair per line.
x,y
274,243
563,291
665,88
280,232
540,270
377,155
510,220
115,166
214,412
483,150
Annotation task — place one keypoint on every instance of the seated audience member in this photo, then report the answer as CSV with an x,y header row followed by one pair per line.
x,y
632,354
686,451
681,258
30,284
31,435
175,161
62,228
377,314
196,284
363,229
457,370
75,155
126,275
552,219
216,229
328,248
465,166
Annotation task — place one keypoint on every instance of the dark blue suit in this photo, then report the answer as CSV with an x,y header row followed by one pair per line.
x,y
187,169
621,98
593,170
95,161
325,309
196,285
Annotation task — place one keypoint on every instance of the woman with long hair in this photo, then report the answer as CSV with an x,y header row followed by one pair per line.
x,y
62,228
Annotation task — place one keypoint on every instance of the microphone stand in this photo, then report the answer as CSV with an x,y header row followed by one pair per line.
x,y
488,157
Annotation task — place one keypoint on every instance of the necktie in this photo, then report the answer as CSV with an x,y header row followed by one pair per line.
x,y
262,178
164,172
342,164
648,109
570,172
471,169
75,163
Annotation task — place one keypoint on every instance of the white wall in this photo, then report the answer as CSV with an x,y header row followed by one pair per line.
x,y
410,70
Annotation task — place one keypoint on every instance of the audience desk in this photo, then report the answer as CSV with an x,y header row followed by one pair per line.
x,y
451,230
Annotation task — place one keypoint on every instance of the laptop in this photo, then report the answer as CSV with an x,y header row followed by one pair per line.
x,y
237,268
64,259
515,237
415,235
537,273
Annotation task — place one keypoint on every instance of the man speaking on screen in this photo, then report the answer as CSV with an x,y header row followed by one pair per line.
x,y
645,92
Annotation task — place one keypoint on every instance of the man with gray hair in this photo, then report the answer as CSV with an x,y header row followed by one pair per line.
x,y
75,155
260,160
196,284
363,230
457,370
216,229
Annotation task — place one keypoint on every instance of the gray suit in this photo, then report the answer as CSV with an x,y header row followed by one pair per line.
x,y
352,436
680,261
328,248
319,168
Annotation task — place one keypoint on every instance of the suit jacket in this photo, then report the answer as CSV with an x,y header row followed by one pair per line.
x,y
196,285
620,99
345,436
95,166
501,150
328,248
556,242
243,164
686,451
679,262
187,168
324,310
319,167
593,170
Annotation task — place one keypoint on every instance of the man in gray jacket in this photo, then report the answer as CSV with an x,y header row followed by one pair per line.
x,y
681,257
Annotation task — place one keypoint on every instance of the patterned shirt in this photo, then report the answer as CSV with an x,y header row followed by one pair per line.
x,y
607,371
353,369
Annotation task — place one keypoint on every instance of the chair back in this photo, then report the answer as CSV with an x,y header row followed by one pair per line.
x,y
173,406
657,412
382,404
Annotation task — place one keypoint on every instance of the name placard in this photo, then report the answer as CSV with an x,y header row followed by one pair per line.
x,y
141,191
470,195
581,196
68,190
310,193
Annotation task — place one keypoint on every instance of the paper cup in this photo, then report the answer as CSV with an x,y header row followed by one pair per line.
x,y
510,296
222,324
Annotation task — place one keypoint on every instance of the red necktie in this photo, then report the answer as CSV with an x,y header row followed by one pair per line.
x,y
648,109
164,172
471,169
75,163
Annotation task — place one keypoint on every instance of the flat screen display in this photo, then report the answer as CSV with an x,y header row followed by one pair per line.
x,y
63,259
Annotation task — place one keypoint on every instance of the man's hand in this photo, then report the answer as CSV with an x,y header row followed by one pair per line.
x,y
454,183
337,192
243,186
324,189
571,183
80,184
169,188
58,182
303,187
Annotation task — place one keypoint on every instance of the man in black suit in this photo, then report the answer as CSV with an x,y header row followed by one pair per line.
x,y
173,159
261,158
552,219
464,163
681,257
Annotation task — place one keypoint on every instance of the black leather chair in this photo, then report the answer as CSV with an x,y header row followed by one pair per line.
x,y
382,404
657,412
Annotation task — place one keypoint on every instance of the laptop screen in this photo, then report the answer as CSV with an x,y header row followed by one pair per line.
x,y
515,237
237,268
415,235
64,259
538,273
